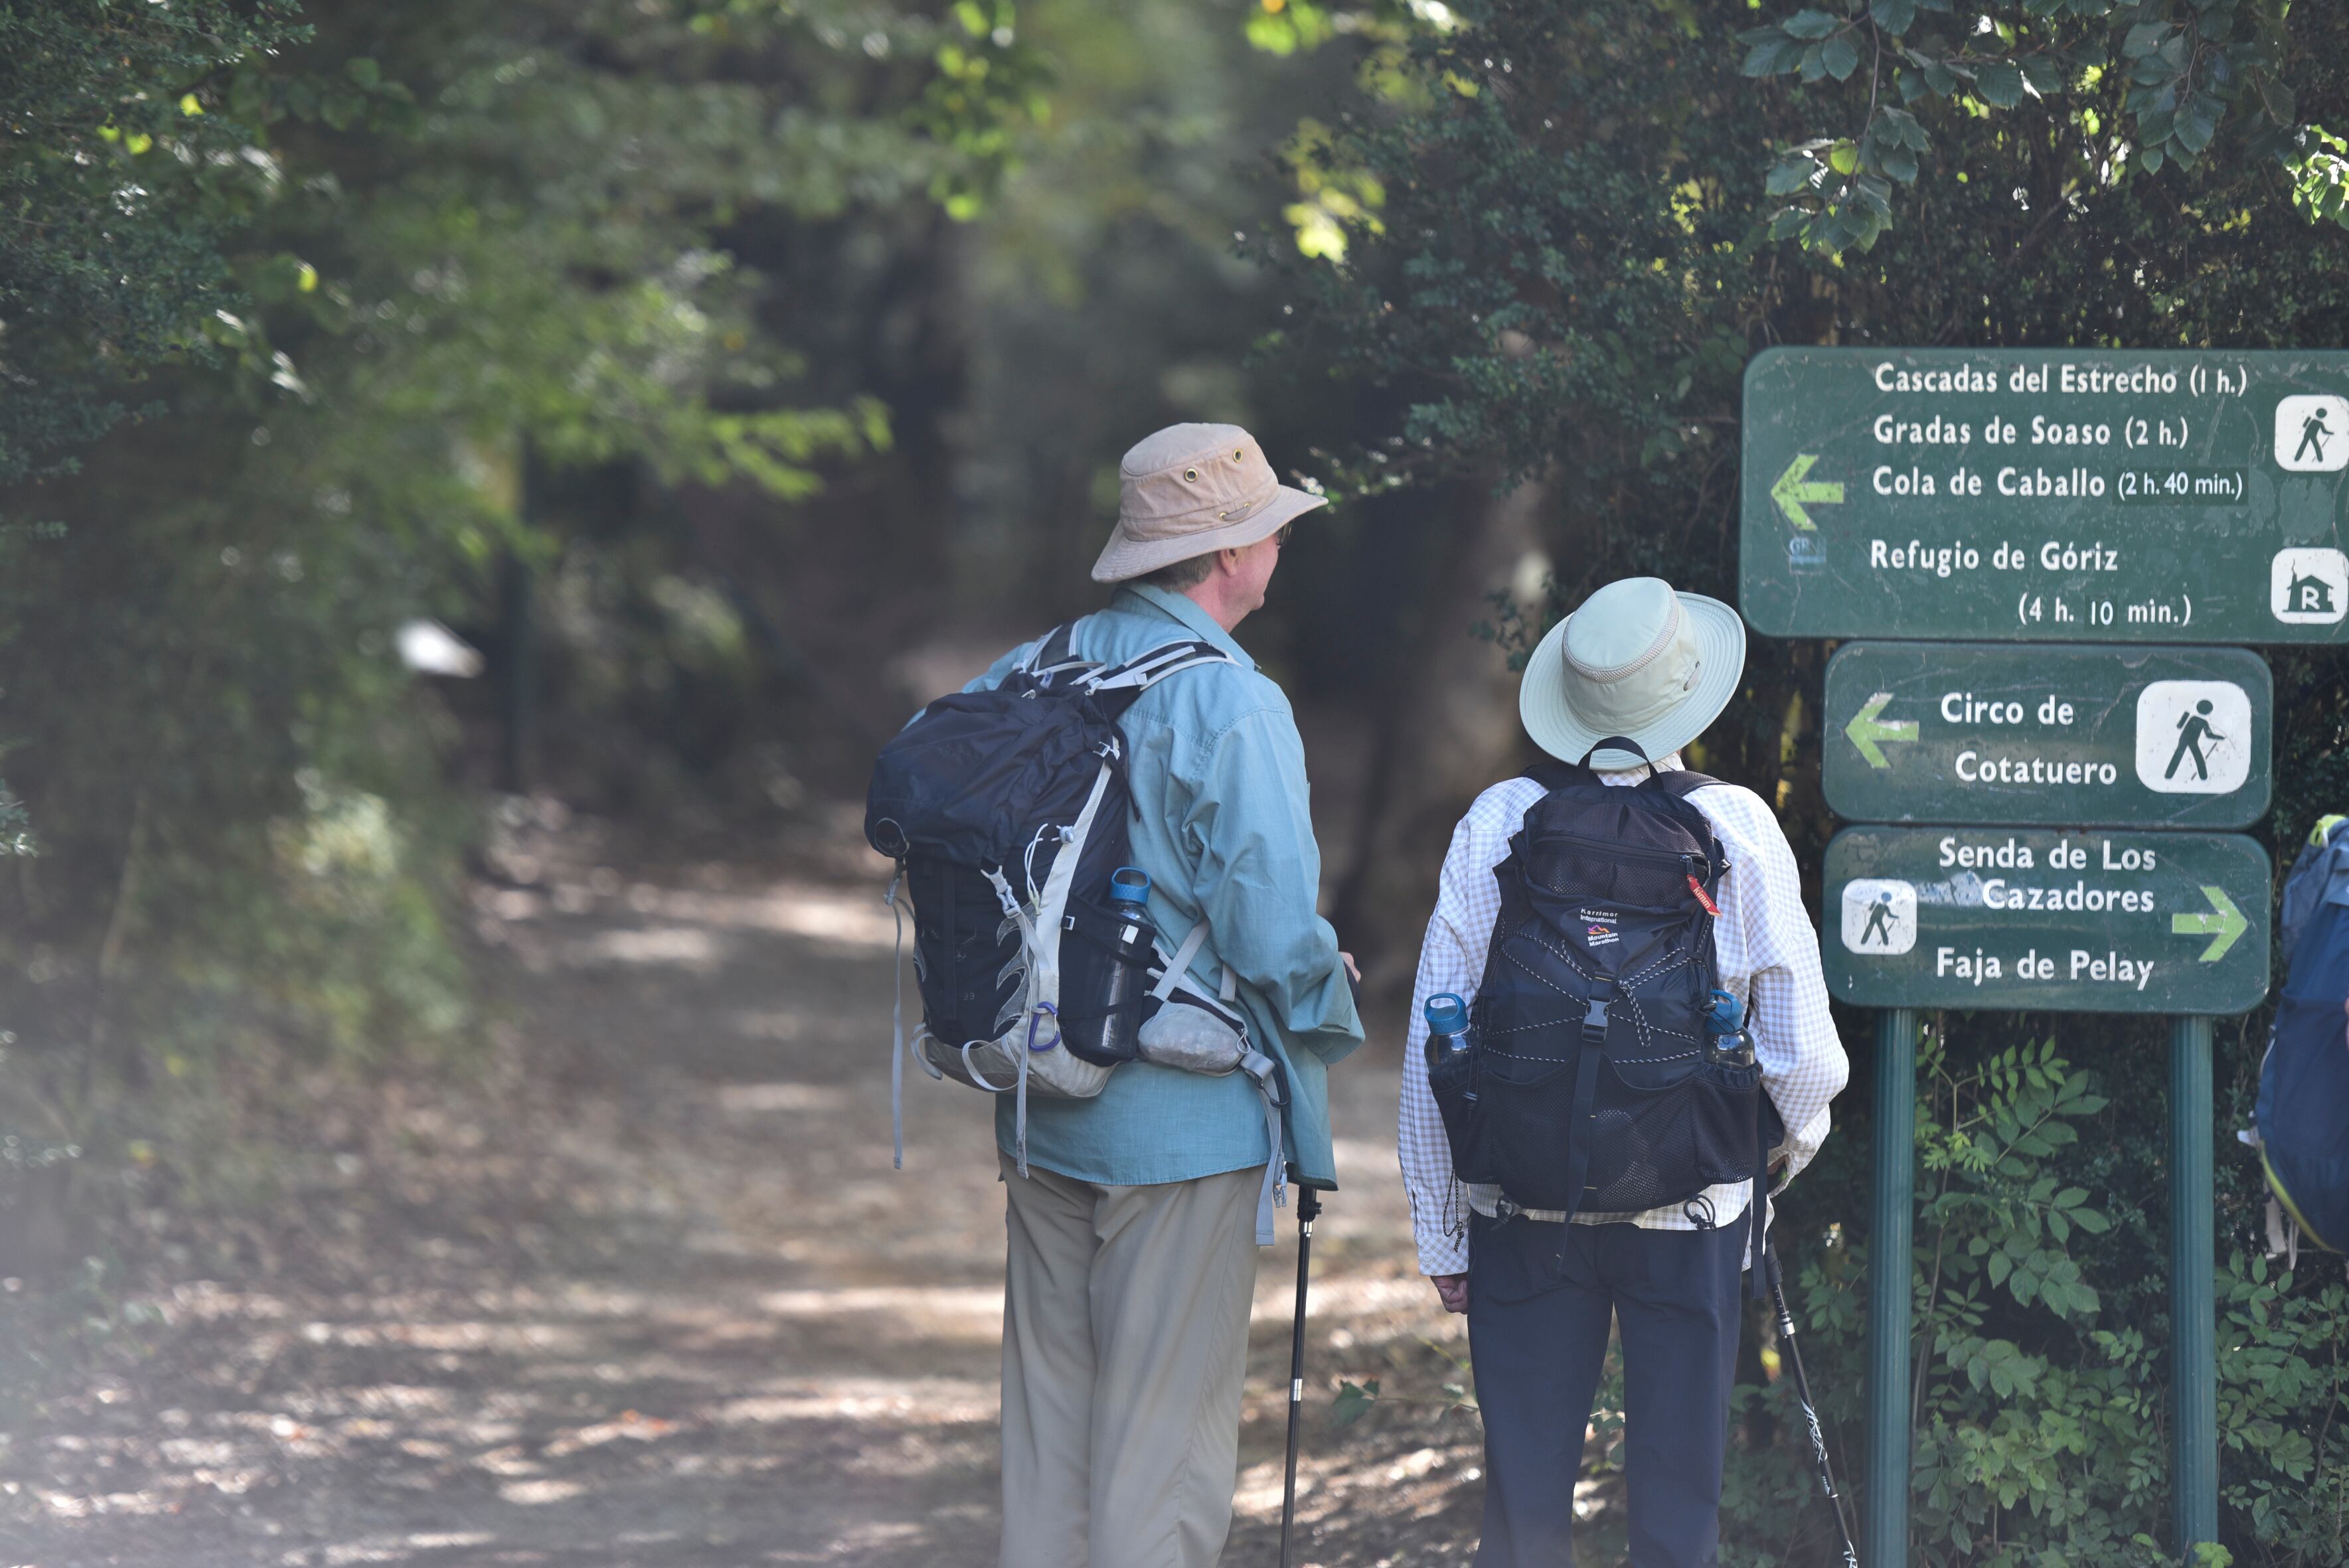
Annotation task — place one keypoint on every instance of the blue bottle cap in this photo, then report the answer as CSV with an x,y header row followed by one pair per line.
x,y
1446,1013
1129,884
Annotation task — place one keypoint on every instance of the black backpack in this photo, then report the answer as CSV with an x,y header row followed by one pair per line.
x,y
1590,1082
1007,810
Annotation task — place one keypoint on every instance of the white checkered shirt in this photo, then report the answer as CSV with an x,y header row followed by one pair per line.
x,y
1769,957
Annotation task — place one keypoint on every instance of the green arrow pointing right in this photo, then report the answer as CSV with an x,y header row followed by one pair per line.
x,y
1792,492
2223,926
1869,727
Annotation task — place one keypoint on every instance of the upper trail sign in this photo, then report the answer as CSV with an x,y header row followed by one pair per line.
x,y
2045,495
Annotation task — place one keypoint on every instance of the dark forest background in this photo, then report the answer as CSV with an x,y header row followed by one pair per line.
x,y
414,415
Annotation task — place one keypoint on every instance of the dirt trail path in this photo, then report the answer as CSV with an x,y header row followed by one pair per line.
x,y
661,1300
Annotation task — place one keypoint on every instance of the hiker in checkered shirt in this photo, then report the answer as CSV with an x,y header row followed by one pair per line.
x,y
1636,661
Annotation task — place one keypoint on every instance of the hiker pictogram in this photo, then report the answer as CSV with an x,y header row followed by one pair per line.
x,y
1880,921
1879,917
2193,730
2312,431
2194,737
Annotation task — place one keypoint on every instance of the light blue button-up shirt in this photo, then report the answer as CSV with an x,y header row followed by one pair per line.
x,y
1226,831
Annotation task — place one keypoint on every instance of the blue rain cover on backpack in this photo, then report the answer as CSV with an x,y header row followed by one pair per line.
x,y
2303,1105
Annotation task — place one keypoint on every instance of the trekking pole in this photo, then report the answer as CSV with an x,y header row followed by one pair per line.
x,y
1810,1411
1309,1207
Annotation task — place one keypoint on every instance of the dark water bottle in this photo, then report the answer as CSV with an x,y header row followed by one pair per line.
x,y
1727,1039
1447,1027
1134,938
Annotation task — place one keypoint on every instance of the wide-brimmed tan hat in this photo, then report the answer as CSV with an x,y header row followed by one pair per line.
x,y
1637,660
1192,490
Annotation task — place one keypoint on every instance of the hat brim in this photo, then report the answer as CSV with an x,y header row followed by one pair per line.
x,y
1125,557
1541,698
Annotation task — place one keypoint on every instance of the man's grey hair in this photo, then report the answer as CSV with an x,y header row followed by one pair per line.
x,y
1182,574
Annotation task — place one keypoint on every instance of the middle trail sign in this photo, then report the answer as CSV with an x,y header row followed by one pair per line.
x,y
2047,735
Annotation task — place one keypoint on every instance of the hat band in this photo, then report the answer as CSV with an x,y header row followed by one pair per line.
x,y
1152,529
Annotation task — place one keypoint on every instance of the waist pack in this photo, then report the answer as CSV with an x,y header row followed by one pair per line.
x,y
1007,810
2302,1112
1589,1082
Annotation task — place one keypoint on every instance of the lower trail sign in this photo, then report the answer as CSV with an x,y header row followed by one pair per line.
x,y
2065,921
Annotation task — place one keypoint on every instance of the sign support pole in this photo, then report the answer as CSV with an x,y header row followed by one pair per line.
x,y
1889,1288
2193,1288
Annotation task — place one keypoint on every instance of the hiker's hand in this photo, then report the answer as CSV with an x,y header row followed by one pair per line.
x,y
1352,972
1454,1289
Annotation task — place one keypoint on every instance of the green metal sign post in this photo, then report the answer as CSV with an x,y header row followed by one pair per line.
x,y
2063,920
2046,495
1957,732
1891,1287
2090,503
2193,1304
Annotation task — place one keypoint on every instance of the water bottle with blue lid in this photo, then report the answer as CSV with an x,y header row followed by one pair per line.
x,y
1134,941
1727,1039
1447,1025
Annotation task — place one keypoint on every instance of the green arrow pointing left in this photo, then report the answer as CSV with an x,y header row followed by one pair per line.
x,y
1792,492
1868,725
2224,926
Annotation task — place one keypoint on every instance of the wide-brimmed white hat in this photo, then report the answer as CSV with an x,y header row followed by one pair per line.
x,y
1193,490
1636,660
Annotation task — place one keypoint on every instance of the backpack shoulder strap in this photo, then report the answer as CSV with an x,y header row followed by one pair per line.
x,y
1055,654
1552,774
1139,674
1684,783
1679,785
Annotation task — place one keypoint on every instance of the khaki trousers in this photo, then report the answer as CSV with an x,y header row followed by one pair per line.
x,y
1125,1318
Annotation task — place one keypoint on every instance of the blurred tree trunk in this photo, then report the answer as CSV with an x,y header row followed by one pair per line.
x,y
1448,729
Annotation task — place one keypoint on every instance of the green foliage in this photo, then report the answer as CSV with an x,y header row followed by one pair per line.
x,y
2139,83
2320,175
411,291
132,151
2284,1395
1572,266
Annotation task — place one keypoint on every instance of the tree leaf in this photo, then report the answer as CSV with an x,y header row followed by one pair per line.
x,y
1840,56
1789,175
1999,83
2044,75
1811,25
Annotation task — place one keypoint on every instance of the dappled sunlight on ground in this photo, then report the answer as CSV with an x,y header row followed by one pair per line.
x,y
663,1301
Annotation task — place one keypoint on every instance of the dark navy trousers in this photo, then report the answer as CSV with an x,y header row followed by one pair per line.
x,y
1539,1306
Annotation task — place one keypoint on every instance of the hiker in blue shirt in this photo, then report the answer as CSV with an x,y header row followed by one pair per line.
x,y
1131,1248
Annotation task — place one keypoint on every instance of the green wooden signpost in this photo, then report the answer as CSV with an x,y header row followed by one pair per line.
x,y
2046,495
1956,732
2047,919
